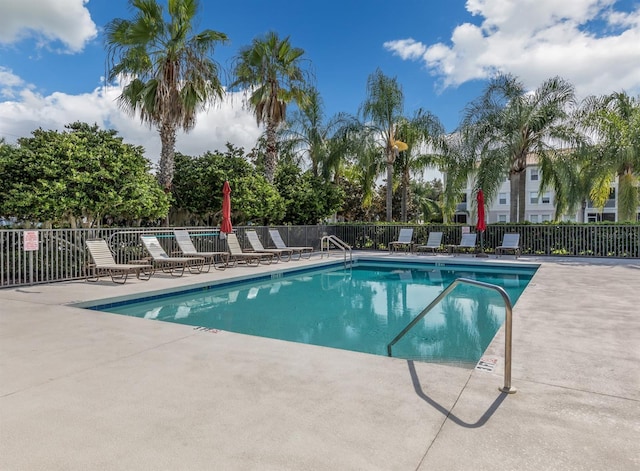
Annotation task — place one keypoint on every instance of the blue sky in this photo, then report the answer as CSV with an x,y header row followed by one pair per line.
x,y
52,56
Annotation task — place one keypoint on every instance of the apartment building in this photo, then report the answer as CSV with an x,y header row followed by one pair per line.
x,y
540,207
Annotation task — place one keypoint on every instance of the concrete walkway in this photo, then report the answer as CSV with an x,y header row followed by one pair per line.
x,y
85,390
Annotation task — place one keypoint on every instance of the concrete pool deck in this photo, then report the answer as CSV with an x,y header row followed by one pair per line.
x,y
86,390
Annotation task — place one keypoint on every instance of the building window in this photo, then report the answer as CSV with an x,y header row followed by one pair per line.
x,y
533,197
533,218
597,217
546,198
534,174
546,217
502,198
502,218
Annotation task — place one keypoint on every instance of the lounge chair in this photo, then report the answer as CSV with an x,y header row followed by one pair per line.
x,y
279,243
188,250
256,245
468,241
510,243
250,258
104,264
173,265
433,243
405,239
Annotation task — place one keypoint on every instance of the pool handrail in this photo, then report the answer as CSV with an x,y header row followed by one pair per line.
x,y
506,388
342,245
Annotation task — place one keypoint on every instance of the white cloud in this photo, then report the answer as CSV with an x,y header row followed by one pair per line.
x,y
9,82
536,40
226,122
407,48
67,21
626,20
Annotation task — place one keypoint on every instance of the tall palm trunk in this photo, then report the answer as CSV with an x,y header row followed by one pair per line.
x,y
167,159
389,191
405,194
167,154
391,158
514,194
522,194
271,157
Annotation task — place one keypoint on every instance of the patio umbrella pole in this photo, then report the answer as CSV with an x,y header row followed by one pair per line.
x,y
481,254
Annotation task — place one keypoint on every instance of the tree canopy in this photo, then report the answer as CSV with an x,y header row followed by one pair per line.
x,y
615,121
332,167
309,199
81,173
198,190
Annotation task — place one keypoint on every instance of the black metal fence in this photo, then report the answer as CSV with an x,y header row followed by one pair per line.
x,y
60,254
579,240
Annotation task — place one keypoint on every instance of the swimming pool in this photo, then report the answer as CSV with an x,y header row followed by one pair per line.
x,y
360,308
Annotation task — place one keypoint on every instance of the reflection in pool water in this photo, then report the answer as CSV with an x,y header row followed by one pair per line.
x,y
359,309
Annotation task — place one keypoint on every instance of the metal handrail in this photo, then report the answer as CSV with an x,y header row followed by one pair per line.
x,y
338,243
507,388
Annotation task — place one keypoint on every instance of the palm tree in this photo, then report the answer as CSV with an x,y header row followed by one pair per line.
x,y
614,120
359,159
427,198
424,136
457,163
571,175
270,70
320,141
507,126
168,68
381,112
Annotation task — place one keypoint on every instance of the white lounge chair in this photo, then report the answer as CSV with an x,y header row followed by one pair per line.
x,y
405,239
189,250
173,265
434,242
250,258
468,241
256,245
279,243
104,264
510,243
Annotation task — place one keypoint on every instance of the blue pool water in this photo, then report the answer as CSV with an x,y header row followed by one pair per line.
x,y
361,309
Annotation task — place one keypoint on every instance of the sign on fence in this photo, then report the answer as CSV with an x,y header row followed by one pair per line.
x,y
30,240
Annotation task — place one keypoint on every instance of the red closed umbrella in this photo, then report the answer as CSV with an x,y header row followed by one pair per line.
x,y
225,227
481,225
